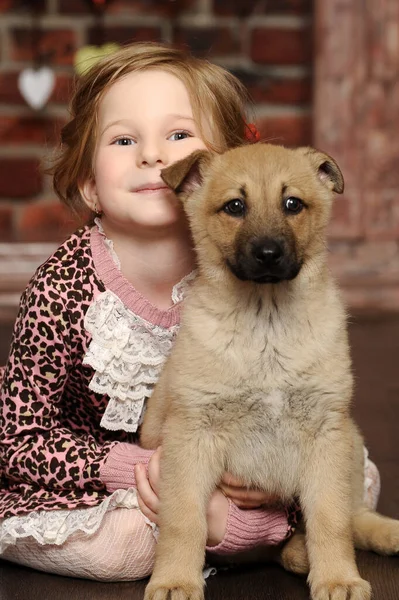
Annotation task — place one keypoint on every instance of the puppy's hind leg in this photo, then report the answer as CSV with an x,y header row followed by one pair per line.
x,y
373,531
294,555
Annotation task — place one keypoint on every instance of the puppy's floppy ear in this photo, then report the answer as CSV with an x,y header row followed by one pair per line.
x,y
327,169
186,175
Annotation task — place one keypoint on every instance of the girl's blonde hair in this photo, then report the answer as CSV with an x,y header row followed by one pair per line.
x,y
213,92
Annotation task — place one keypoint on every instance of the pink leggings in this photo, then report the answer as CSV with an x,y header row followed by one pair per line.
x,y
121,550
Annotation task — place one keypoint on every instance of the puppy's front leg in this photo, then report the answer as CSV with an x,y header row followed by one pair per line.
x,y
191,467
326,502
154,417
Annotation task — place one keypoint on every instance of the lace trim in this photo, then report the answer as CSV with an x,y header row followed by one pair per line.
x,y
127,354
56,526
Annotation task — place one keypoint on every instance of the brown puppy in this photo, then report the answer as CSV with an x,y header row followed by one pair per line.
x,y
259,381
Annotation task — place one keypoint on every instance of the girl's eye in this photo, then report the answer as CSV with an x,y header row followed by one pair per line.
x,y
123,141
179,135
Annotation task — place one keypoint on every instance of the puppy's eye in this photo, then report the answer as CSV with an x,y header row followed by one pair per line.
x,y
234,208
292,205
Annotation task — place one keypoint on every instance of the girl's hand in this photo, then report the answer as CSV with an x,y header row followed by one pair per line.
x,y
147,495
243,497
147,488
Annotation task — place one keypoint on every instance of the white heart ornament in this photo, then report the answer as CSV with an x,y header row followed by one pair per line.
x,y
36,86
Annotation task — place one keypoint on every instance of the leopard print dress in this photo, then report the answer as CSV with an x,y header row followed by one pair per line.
x,y
54,394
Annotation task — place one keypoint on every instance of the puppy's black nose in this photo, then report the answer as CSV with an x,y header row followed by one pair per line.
x,y
267,252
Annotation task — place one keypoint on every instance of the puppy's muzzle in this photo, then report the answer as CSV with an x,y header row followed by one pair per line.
x,y
266,260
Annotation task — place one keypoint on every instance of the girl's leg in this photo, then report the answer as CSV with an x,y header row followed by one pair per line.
x,y
372,484
121,550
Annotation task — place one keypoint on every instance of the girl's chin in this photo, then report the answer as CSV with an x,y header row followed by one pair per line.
x,y
157,222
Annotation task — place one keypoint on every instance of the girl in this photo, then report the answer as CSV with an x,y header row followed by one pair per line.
x,y
78,495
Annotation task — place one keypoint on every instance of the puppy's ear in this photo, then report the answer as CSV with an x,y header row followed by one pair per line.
x,y
327,169
186,175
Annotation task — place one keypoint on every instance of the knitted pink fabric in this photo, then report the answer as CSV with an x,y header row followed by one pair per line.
x,y
245,529
248,529
117,472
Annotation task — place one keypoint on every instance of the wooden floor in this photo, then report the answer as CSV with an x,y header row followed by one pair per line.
x,y
375,343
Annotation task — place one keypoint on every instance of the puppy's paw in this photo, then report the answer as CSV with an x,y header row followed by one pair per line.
x,y
373,531
175,591
385,539
294,556
356,589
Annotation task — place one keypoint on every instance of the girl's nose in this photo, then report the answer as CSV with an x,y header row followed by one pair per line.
x,y
151,153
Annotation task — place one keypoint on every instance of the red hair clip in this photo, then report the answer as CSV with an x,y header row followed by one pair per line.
x,y
252,133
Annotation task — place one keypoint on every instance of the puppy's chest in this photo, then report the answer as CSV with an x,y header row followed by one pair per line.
x,y
270,412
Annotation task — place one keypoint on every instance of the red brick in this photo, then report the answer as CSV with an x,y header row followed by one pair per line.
x,y
56,46
123,35
347,216
18,6
281,46
244,8
382,213
289,130
276,89
20,177
365,261
29,130
63,88
371,298
50,222
206,41
6,224
162,7
9,92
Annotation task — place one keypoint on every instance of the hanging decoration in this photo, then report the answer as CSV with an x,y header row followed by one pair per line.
x,y
88,55
36,83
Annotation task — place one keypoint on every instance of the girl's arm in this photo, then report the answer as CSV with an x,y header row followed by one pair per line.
x,y
35,446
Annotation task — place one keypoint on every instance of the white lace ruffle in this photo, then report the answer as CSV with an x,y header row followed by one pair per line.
x,y
56,526
127,354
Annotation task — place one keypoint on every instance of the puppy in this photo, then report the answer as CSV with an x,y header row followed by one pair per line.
x,y
259,380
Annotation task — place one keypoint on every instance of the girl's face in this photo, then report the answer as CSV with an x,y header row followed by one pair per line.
x,y
145,123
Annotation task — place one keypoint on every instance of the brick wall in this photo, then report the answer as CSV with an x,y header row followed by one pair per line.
x,y
342,99
268,44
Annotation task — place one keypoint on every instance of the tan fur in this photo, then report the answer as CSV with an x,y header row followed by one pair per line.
x,y
259,380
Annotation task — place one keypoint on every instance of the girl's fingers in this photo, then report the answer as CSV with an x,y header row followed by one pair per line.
x,y
230,481
246,504
147,494
245,498
146,511
154,469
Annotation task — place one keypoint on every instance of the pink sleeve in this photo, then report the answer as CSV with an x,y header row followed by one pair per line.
x,y
117,472
247,529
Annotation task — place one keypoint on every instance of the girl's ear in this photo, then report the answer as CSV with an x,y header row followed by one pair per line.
x,y
88,191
